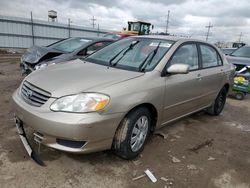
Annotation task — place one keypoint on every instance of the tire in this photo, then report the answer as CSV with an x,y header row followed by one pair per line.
x,y
219,103
128,142
239,96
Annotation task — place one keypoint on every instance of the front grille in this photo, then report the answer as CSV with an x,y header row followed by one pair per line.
x,y
34,95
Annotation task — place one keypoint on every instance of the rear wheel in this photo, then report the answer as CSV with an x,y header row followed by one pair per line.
x,y
132,133
219,103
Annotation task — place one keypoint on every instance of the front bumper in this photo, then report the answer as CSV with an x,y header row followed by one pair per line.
x,y
95,130
25,68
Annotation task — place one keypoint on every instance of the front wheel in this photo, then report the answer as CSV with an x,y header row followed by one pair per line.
x,y
219,103
132,133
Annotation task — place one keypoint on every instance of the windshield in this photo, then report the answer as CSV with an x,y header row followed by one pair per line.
x,y
242,52
132,53
70,45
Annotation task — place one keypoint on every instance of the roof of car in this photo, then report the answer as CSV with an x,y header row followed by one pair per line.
x,y
167,37
95,38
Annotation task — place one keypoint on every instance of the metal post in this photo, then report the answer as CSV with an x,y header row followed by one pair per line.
x,y
167,22
98,30
69,25
32,29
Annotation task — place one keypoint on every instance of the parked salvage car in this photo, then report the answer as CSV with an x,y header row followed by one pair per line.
x,y
117,96
228,51
64,50
240,57
241,86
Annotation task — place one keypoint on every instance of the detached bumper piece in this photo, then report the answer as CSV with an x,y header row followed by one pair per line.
x,y
27,146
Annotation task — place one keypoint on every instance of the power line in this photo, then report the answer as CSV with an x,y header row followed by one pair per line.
x,y
209,26
167,22
93,19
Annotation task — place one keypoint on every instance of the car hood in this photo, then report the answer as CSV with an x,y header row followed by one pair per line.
x,y
59,59
77,76
238,60
36,54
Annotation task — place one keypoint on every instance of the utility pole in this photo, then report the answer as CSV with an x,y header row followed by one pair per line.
x,y
209,26
240,37
93,19
167,22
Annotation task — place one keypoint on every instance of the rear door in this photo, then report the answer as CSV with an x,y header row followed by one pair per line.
x,y
212,73
182,93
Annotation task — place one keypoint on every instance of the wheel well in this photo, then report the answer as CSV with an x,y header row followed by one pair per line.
x,y
227,87
153,112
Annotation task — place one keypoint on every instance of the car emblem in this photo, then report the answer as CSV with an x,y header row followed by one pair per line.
x,y
29,93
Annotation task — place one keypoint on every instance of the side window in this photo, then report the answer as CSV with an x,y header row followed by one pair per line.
x,y
186,54
210,57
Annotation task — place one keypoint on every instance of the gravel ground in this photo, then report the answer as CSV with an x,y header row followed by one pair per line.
x,y
198,151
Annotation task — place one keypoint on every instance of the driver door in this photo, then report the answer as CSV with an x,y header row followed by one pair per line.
x,y
182,91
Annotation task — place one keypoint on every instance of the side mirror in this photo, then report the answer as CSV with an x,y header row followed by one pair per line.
x,y
178,69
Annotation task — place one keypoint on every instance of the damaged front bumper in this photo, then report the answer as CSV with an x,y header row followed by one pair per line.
x,y
25,141
25,68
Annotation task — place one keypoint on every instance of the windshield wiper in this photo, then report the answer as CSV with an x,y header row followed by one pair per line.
x,y
124,53
149,61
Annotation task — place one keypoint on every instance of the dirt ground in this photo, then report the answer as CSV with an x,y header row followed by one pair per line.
x,y
223,162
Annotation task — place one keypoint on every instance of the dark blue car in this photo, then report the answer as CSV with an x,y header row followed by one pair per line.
x,y
67,49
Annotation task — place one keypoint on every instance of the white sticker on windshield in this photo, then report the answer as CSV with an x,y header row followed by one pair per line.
x,y
163,44
84,40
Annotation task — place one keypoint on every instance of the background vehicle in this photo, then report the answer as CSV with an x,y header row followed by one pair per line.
x,y
240,57
117,35
228,51
134,28
121,93
238,44
61,51
241,83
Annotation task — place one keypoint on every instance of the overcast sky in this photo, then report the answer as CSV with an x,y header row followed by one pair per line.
x,y
187,17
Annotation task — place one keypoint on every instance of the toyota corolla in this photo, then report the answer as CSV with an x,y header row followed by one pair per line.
x,y
117,96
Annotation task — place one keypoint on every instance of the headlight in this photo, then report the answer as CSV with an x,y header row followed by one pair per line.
x,y
84,102
41,66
